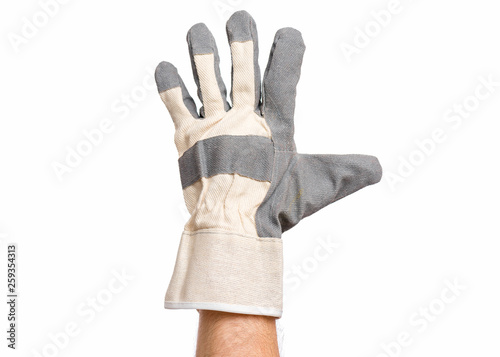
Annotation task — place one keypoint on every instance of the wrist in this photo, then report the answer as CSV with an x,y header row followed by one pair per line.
x,y
242,335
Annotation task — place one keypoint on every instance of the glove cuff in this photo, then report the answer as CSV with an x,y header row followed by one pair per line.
x,y
224,271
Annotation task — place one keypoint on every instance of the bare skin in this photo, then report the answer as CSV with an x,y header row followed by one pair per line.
x,y
223,334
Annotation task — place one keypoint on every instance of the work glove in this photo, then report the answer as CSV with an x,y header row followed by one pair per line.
x,y
243,181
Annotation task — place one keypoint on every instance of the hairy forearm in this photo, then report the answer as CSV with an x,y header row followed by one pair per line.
x,y
222,334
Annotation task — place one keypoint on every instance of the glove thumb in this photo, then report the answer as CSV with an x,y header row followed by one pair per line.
x,y
318,180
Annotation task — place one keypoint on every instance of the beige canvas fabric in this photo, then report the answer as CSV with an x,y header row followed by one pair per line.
x,y
217,270
212,100
243,72
225,202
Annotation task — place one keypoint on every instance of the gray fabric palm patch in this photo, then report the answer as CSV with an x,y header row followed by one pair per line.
x,y
250,156
302,184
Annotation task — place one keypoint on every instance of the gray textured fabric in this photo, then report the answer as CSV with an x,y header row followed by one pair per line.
x,y
303,184
280,81
201,41
241,27
167,77
249,156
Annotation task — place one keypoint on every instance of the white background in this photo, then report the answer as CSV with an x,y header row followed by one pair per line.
x,y
121,207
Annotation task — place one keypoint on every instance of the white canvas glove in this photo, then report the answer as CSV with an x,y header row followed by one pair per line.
x,y
244,183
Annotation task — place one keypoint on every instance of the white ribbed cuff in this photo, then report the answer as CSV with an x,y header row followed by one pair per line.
x,y
228,272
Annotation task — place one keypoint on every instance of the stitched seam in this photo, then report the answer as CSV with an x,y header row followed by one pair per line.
x,y
263,239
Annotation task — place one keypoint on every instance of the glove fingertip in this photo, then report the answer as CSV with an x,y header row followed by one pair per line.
x,y
241,27
290,34
200,40
374,170
166,76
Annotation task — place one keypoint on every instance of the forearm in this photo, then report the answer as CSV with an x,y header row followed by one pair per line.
x,y
222,334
